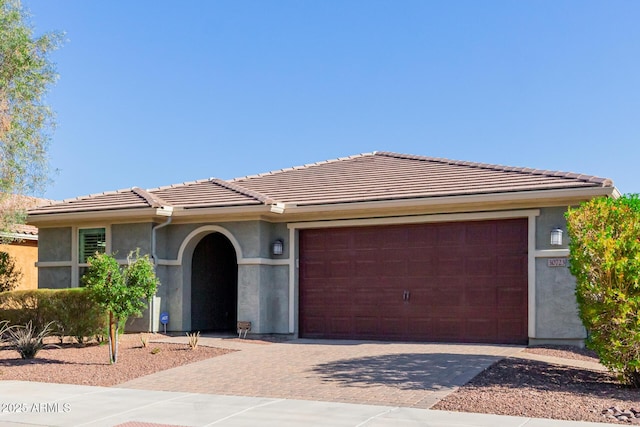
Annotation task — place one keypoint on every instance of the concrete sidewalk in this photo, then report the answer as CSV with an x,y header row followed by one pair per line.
x,y
43,404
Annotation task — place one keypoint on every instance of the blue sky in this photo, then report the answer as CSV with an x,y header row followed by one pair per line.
x,y
153,93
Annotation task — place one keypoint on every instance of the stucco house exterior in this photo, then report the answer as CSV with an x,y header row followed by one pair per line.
x,y
21,241
374,246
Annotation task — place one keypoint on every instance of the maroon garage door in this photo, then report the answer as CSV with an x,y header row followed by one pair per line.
x,y
447,282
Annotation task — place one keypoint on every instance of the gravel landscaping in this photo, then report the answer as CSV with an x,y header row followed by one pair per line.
x,y
89,365
530,388
513,386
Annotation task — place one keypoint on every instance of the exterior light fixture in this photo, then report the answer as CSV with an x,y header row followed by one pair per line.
x,y
556,237
277,247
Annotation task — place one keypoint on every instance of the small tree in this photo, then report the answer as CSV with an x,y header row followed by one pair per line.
x,y
121,291
10,274
605,259
26,121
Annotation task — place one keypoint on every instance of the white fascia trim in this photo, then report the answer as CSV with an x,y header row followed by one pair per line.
x,y
417,219
230,210
560,195
54,264
105,216
19,236
551,253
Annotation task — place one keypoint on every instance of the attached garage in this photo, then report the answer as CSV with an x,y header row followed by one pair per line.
x,y
443,282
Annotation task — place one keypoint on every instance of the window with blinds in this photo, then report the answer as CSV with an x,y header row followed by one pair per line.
x,y
92,240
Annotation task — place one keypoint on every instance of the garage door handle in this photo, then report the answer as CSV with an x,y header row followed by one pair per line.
x,y
406,295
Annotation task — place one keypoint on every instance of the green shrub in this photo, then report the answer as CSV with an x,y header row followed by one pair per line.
x,y
72,311
10,274
22,307
605,259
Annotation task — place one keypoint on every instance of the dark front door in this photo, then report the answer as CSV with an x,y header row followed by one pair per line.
x,y
447,282
214,285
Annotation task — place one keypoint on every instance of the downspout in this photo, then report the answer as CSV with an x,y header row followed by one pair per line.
x,y
154,257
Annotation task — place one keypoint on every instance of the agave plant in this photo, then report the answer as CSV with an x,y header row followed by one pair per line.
x,y
26,341
4,331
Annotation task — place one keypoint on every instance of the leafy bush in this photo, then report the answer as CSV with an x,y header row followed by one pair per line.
x,y
76,314
72,310
22,307
605,259
26,341
121,291
10,274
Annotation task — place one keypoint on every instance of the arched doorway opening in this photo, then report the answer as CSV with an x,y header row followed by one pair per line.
x,y
214,285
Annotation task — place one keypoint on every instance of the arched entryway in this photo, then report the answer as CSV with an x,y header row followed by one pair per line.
x,y
214,285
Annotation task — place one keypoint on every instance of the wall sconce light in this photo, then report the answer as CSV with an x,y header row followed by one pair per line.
x,y
556,237
277,247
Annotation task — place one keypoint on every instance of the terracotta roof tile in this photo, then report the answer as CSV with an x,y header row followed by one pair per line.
x,y
113,200
388,176
364,177
208,193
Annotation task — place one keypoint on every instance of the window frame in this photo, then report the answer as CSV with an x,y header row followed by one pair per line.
x,y
78,265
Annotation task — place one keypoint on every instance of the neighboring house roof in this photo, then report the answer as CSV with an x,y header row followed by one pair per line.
x,y
379,176
15,201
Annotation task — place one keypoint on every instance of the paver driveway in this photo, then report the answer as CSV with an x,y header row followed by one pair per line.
x,y
379,373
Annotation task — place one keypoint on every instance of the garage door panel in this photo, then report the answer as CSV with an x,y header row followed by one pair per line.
x,y
480,233
341,239
448,265
313,269
480,297
480,265
366,325
466,282
450,234
422,237
422,268
510,265
392,326
341,326
339,268
484,329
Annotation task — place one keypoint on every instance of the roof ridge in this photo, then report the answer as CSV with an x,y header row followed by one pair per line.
x,y
181,184
304,166
90,196
240,189
153,200
605,182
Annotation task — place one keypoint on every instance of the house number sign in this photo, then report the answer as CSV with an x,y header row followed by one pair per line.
x,y
556,262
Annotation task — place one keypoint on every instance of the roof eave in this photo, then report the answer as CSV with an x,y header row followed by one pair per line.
x,y
568,196
99,215
20,236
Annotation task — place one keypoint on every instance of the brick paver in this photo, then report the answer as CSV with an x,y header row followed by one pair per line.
x,y
392,374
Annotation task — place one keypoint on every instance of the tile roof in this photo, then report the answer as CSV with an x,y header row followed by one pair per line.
x,y
389,176
15,201
364,177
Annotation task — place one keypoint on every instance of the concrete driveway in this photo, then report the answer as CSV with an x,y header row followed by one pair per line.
x,y
374,373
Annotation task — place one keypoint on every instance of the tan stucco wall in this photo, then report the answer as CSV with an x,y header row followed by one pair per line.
x,y
25,255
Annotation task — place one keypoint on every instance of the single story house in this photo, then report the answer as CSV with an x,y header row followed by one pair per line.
x,y
375,246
